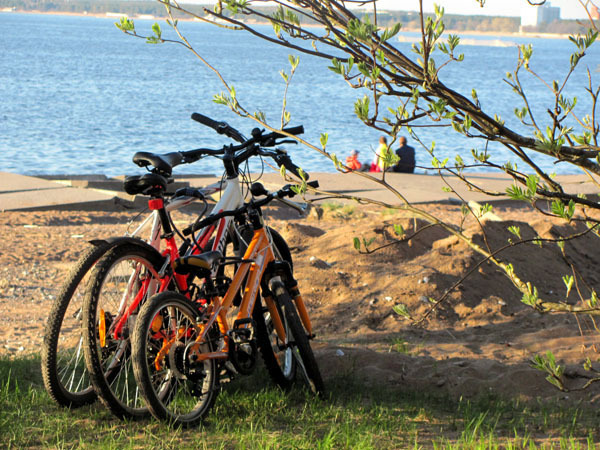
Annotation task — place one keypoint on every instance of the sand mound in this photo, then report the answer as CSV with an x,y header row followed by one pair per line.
x,y
479,340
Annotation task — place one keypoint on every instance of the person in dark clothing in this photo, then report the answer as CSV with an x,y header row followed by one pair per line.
x,y
407,157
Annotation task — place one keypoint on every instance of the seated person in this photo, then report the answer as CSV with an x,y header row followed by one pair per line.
x,y
407,157
352,161
378,164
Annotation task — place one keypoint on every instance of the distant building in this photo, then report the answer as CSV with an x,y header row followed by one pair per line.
x,y
595,13
538,15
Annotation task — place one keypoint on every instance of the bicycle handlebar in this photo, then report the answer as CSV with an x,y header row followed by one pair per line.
x,y
285,191
234,155
219,127
247,147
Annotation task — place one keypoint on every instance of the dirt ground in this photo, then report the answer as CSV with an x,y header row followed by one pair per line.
x,y
479,340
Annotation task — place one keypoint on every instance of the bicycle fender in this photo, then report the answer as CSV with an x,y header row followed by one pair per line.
x,y
120,240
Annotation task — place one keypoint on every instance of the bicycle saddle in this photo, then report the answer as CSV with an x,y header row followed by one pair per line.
x,y
200,264
148,184
163,164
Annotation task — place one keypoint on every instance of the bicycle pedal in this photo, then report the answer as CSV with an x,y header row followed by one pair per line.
x,y
241,335
228,373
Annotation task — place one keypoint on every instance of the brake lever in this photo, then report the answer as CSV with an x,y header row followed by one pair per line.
x,y
300,207
286,141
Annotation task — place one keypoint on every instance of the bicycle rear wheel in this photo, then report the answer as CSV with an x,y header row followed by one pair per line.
x,y
299,343
176,387
125,274
63,367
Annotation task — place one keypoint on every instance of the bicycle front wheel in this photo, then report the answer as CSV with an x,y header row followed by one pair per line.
x,y
124,276
176,383
277,355
298,342
63,367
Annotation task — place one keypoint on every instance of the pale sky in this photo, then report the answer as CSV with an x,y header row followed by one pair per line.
x,y
569,9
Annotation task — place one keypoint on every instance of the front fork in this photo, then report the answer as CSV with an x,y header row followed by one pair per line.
x,y
283,268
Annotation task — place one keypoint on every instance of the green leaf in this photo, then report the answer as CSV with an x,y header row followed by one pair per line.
x,y
532,181
324,139
399,230
361,108
516,193
367,242
568,280
156,29
530,298
126,25
593,301
356,242
515,230
391,32
336,66
402,310
294,61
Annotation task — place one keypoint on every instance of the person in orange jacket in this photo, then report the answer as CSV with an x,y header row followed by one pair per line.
x,y
352,161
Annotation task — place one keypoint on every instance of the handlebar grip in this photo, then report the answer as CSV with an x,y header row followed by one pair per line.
x,y
219,127
291,130
195,227
313,184
295,130
285,161
206,121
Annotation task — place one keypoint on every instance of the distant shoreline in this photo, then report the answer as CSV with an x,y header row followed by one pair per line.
x,y
115,15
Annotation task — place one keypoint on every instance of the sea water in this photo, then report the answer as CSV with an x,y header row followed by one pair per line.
x,y
78,96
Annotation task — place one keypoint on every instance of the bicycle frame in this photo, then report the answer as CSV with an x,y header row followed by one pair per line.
x,y
258,256
231,199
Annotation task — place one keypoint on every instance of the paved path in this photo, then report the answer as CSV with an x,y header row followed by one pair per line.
x,y
22,193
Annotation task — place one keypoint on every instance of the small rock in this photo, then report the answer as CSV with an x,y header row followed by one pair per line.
x,y
423,299
425,280
372,302
339,352
388,299
501,302
319,263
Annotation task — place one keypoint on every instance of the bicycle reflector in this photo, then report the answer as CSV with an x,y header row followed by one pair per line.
x,y
102,328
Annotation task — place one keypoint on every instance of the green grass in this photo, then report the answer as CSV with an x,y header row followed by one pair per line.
x,y
339,209
249,415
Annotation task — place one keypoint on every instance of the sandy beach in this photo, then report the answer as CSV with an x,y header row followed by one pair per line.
x,y
480,340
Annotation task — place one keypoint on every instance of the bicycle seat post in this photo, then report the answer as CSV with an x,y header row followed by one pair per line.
x,y
157,203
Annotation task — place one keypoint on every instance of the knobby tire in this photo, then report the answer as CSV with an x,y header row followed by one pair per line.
x,y
63,371
307,364
110,367
179,391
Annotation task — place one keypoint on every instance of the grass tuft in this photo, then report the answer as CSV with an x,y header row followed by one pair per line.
x,y
251,413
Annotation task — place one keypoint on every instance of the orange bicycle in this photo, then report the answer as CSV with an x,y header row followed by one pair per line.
x,y
180,349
